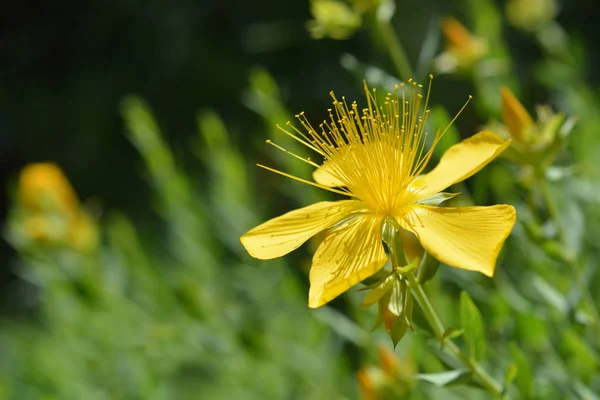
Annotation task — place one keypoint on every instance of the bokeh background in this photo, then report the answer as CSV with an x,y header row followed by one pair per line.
x,y
157,112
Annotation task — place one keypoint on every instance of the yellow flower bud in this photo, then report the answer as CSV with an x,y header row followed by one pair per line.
x,y
388,360
50,212
366,385
515,117
43,186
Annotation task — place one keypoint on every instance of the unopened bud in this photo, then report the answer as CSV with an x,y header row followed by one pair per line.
x,y
333,19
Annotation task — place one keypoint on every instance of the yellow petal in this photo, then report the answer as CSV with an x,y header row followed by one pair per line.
x,y
515,116
279,236
468,238
324,176
460,162
348,255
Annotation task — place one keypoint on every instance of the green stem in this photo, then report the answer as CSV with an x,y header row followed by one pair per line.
x,y
396,51
569,259
436,325
438,328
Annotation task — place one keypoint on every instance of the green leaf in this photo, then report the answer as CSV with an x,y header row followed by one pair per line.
x,y
524,378
511,374
553,297
442,379
472,324
408,309
450,333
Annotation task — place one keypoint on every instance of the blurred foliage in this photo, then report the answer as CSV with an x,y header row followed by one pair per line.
x,y
159,300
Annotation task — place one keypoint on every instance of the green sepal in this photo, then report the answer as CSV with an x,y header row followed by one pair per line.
x,y
428,268
437,199
377,291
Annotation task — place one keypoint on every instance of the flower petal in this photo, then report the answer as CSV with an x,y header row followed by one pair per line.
x,y
460,162
468,238
281,235
349,254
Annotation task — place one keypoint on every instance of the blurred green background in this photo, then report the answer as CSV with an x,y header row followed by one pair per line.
x,y
157,112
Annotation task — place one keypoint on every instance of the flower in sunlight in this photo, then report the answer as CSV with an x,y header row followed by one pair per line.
x,y
377,156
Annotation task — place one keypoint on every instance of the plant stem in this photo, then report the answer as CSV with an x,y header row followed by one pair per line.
x,y
438,328
569,259
395,49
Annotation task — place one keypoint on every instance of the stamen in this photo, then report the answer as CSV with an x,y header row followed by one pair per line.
x,y
338,191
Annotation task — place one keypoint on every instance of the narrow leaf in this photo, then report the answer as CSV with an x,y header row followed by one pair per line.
x,y
511,374
524,379
472,324
450,333
442,379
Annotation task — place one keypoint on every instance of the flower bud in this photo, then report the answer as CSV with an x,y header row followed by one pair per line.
x,y
49,213
463,49
515,117
333,19
530,14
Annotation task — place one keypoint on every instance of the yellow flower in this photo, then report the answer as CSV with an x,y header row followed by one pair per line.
x,y
376,157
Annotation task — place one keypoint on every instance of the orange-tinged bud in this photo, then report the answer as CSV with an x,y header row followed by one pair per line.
x,y
43,186
366,385
463,49
52,214
515,116
455,34
388,360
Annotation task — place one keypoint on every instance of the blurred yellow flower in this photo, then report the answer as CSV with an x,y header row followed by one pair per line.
x,y
376,156
50,210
